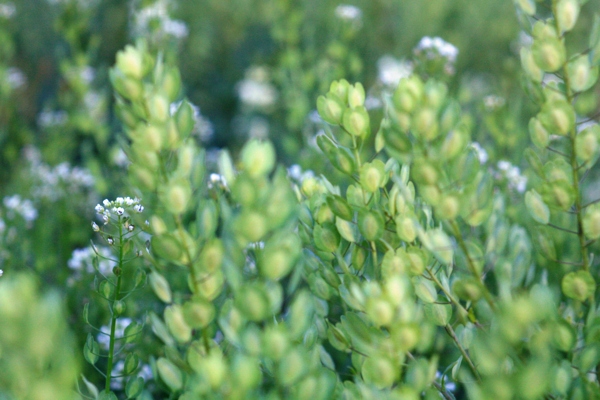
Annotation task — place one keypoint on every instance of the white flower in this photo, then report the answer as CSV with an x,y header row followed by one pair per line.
x,y
348,12
256,94
1,272
391,70
7,10
175,28
16,78
120,211
82,260
106,203
99,209
48,119
513,176
481,153
437,47
138,208
95,227
23,207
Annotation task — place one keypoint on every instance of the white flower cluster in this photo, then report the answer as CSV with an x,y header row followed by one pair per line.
x,y
15,78
121,206
60,181
1,272
23,207
217,180
255,90
513,176
481,153
347,12
296,174
391,70
7,10
437,47
82,260
49,119
157,14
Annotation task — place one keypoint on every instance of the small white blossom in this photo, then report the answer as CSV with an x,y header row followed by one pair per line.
x,y
120,211
1,272
348,12
513,176
110,240
82,260
7,10
175,28
16,78
255,90
99,209
437,47
138,208
106,203
48,119
216,180
391,70
95,227
481,153
23,207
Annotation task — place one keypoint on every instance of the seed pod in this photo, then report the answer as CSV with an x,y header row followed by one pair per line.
x,y
578,285
549,53
127,87
581,74
425,124
340,207
567,12
538,134
152,138
373,176
209,286
347,230
158,107
448,207
161,287
587,143
198,313
251,226
563,335
258,158
379,371
395,263
538,210
91,350
331,108
379,311
214,369
246,371
439,244
356,95
252,302
131,62
528,6
275,342
292,367
118,307
175,321
169,373
326,237
468,289
417,260
279,256
132,361
529,65
356,121
134,387
106,289
558,117
132,332
340,88
591,222
424,289
371,224
166,246
176,196
438,314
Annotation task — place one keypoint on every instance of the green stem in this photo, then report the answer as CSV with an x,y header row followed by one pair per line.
x,y
486,293
462,311
113,322
573,160
463,351
188,254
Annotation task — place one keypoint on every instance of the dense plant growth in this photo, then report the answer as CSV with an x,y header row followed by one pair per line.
x,y
403,255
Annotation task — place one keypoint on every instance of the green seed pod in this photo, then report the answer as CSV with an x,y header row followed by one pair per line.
x,y
563,336
347,230
561,193
567,12
448,207
324,214
591,222
185,159
275,342
371,224
118,307
133,332
292,367
578,285
326,237
166,246
356,95
251,226
468,289
184,119
587,143
209,286
424,289
246,371
356,121
198,313
106,289
253,302
406,228
558,117
214,369
171,83
169,373
279,256
395,263
455,143
152,138
396,141
91,350
538,210
580,73
538,134
439,244
562,378
258,158
142,177
373,176
424,172
176,196
331,108
528,6
408,94
435,93
417,260
211,256
127,87
438,314
533,71
145,158
176,324
340,88
134,387
132,361
380,311
340,207
379,371
549,53
131,62
158,107
359,256
161,287
425,124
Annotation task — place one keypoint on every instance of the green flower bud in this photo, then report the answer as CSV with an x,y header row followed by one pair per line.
x,y
158,107
578,285
258,158
331,108
371,224
591,222
169,373
538,210
356,121
161,287
549,53
356,95
373,176
567,12
176,323
530,67
587,143
131,62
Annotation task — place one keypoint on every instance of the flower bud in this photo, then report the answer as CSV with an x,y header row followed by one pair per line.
x,y
538,210
131,62
356,95
356,121
567,12
330,108
161,287
258,158
119,307
169,373
578,285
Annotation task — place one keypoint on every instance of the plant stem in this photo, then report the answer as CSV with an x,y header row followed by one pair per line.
x,y
113,322
463,351
462,311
